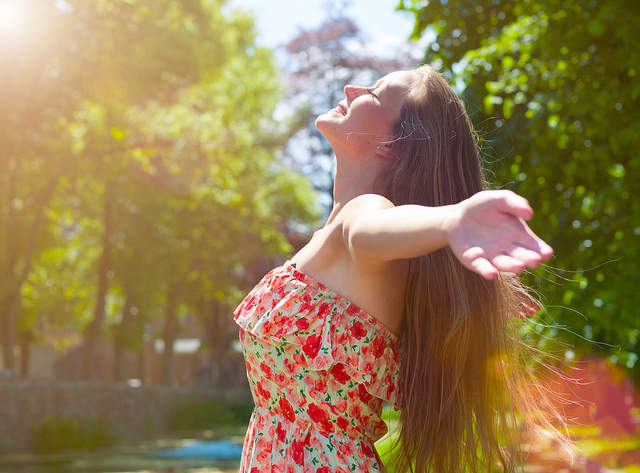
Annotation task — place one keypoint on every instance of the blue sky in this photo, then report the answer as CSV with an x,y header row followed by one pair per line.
x,y
279,20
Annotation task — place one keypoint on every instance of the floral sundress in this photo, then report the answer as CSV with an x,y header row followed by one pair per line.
x,y
320,369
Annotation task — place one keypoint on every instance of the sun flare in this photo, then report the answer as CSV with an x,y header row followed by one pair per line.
x,y
13,16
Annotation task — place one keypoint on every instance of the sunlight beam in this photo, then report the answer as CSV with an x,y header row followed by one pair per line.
x,y
13,16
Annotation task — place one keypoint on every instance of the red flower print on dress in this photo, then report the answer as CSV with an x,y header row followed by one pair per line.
x,y
302,324
263,392
352,309
287,410
281,380
343,423
358,330
290,366
337,371
324,309
320,385
297,451
299,359
280,432
266,370
264,454
366,450
378,346
320,416
345,449
323,469
316,413
312,345
364,395
390,390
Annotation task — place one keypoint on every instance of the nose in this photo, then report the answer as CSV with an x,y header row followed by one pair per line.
x,y
353,91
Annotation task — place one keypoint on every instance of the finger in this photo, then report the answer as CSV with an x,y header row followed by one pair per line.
x,y
533,242
507,263
483,267
528,257
515,204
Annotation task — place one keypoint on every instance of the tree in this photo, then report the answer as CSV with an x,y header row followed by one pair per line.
x,y
125,165
558,82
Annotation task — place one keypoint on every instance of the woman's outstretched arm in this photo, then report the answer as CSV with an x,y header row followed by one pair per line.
x,y
374,229
487,232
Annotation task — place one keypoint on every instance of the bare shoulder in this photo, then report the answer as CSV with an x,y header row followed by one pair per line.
x,y
357,207
353,211
361,205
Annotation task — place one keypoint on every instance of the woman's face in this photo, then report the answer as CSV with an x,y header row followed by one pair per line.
x,y
364,118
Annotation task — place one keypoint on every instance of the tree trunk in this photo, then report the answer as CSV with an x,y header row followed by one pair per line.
x,y
142,364
118,339
26,337
9,331
93,329
9,256
169,335
217,335
16,275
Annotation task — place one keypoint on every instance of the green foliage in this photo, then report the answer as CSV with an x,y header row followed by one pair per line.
x,y
207,414
552,88
57,434
146,134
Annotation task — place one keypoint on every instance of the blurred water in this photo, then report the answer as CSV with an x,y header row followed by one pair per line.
x,y
192,457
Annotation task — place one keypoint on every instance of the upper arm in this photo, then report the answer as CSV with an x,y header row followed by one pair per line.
x,y
356,214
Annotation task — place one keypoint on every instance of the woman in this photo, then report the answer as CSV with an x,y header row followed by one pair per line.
x,y
405,296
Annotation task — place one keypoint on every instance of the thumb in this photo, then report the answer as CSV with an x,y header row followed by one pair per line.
x,y
514,204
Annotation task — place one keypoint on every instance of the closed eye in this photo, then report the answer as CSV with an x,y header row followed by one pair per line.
x,y
371,92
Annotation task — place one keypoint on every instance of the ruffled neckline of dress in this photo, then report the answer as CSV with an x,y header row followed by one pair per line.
x,y
332,333
355,309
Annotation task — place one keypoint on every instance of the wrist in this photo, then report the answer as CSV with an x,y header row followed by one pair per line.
x,y
450,220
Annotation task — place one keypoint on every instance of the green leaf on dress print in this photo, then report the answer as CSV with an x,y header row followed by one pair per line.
x,y
315,461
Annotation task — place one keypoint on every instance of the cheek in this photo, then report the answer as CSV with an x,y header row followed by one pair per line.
x,y
368,119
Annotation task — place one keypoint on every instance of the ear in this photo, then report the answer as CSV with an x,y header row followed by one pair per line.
x,y
384,150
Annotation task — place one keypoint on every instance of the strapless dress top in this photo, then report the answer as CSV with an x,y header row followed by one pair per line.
x,y
320,369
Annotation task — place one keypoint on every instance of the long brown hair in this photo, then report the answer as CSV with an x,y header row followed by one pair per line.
x,y
467,396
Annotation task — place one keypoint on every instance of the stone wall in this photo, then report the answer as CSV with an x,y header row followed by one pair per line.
x,y
135,413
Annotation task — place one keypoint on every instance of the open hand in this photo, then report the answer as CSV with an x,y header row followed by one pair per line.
x,y
488,233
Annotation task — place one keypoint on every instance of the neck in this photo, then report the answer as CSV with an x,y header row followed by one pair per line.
x,y
354,177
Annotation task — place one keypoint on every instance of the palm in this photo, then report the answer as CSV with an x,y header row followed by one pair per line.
x,y
489,234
